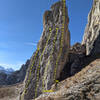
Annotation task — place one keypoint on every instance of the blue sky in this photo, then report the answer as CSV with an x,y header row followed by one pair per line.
x,y
21,27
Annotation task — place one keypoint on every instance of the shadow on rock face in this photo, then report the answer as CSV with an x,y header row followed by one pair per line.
x,y
77,61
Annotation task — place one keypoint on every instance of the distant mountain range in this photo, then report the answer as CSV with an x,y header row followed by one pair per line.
x,y
8,76
7,71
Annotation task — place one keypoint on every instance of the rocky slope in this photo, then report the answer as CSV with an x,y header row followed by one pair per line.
x,y
3,77
84,85
92,32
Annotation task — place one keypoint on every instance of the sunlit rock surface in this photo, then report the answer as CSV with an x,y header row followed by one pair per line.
x,y
51,54
92,32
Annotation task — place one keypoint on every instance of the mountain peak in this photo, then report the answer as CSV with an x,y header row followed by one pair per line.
x,y
51,54
6,70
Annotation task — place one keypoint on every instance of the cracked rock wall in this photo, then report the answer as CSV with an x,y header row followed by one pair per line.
x,y
52,52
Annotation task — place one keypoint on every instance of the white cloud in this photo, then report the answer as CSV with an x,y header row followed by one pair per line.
x,y
14,66
31,43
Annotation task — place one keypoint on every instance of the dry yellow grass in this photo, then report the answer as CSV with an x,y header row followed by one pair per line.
x,y
10,92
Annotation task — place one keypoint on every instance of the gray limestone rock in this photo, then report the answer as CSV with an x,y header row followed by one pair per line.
x,y
92,32
52,52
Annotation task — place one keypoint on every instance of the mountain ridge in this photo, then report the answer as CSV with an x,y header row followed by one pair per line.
x,y
6,70
7,77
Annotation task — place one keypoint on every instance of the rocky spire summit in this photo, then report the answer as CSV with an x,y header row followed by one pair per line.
x,y
52,52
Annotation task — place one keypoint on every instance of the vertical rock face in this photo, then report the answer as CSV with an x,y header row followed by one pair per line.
x,y
52,52
92,32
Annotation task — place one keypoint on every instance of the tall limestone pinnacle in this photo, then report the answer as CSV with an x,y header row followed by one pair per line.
x,y
92,32
51,55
